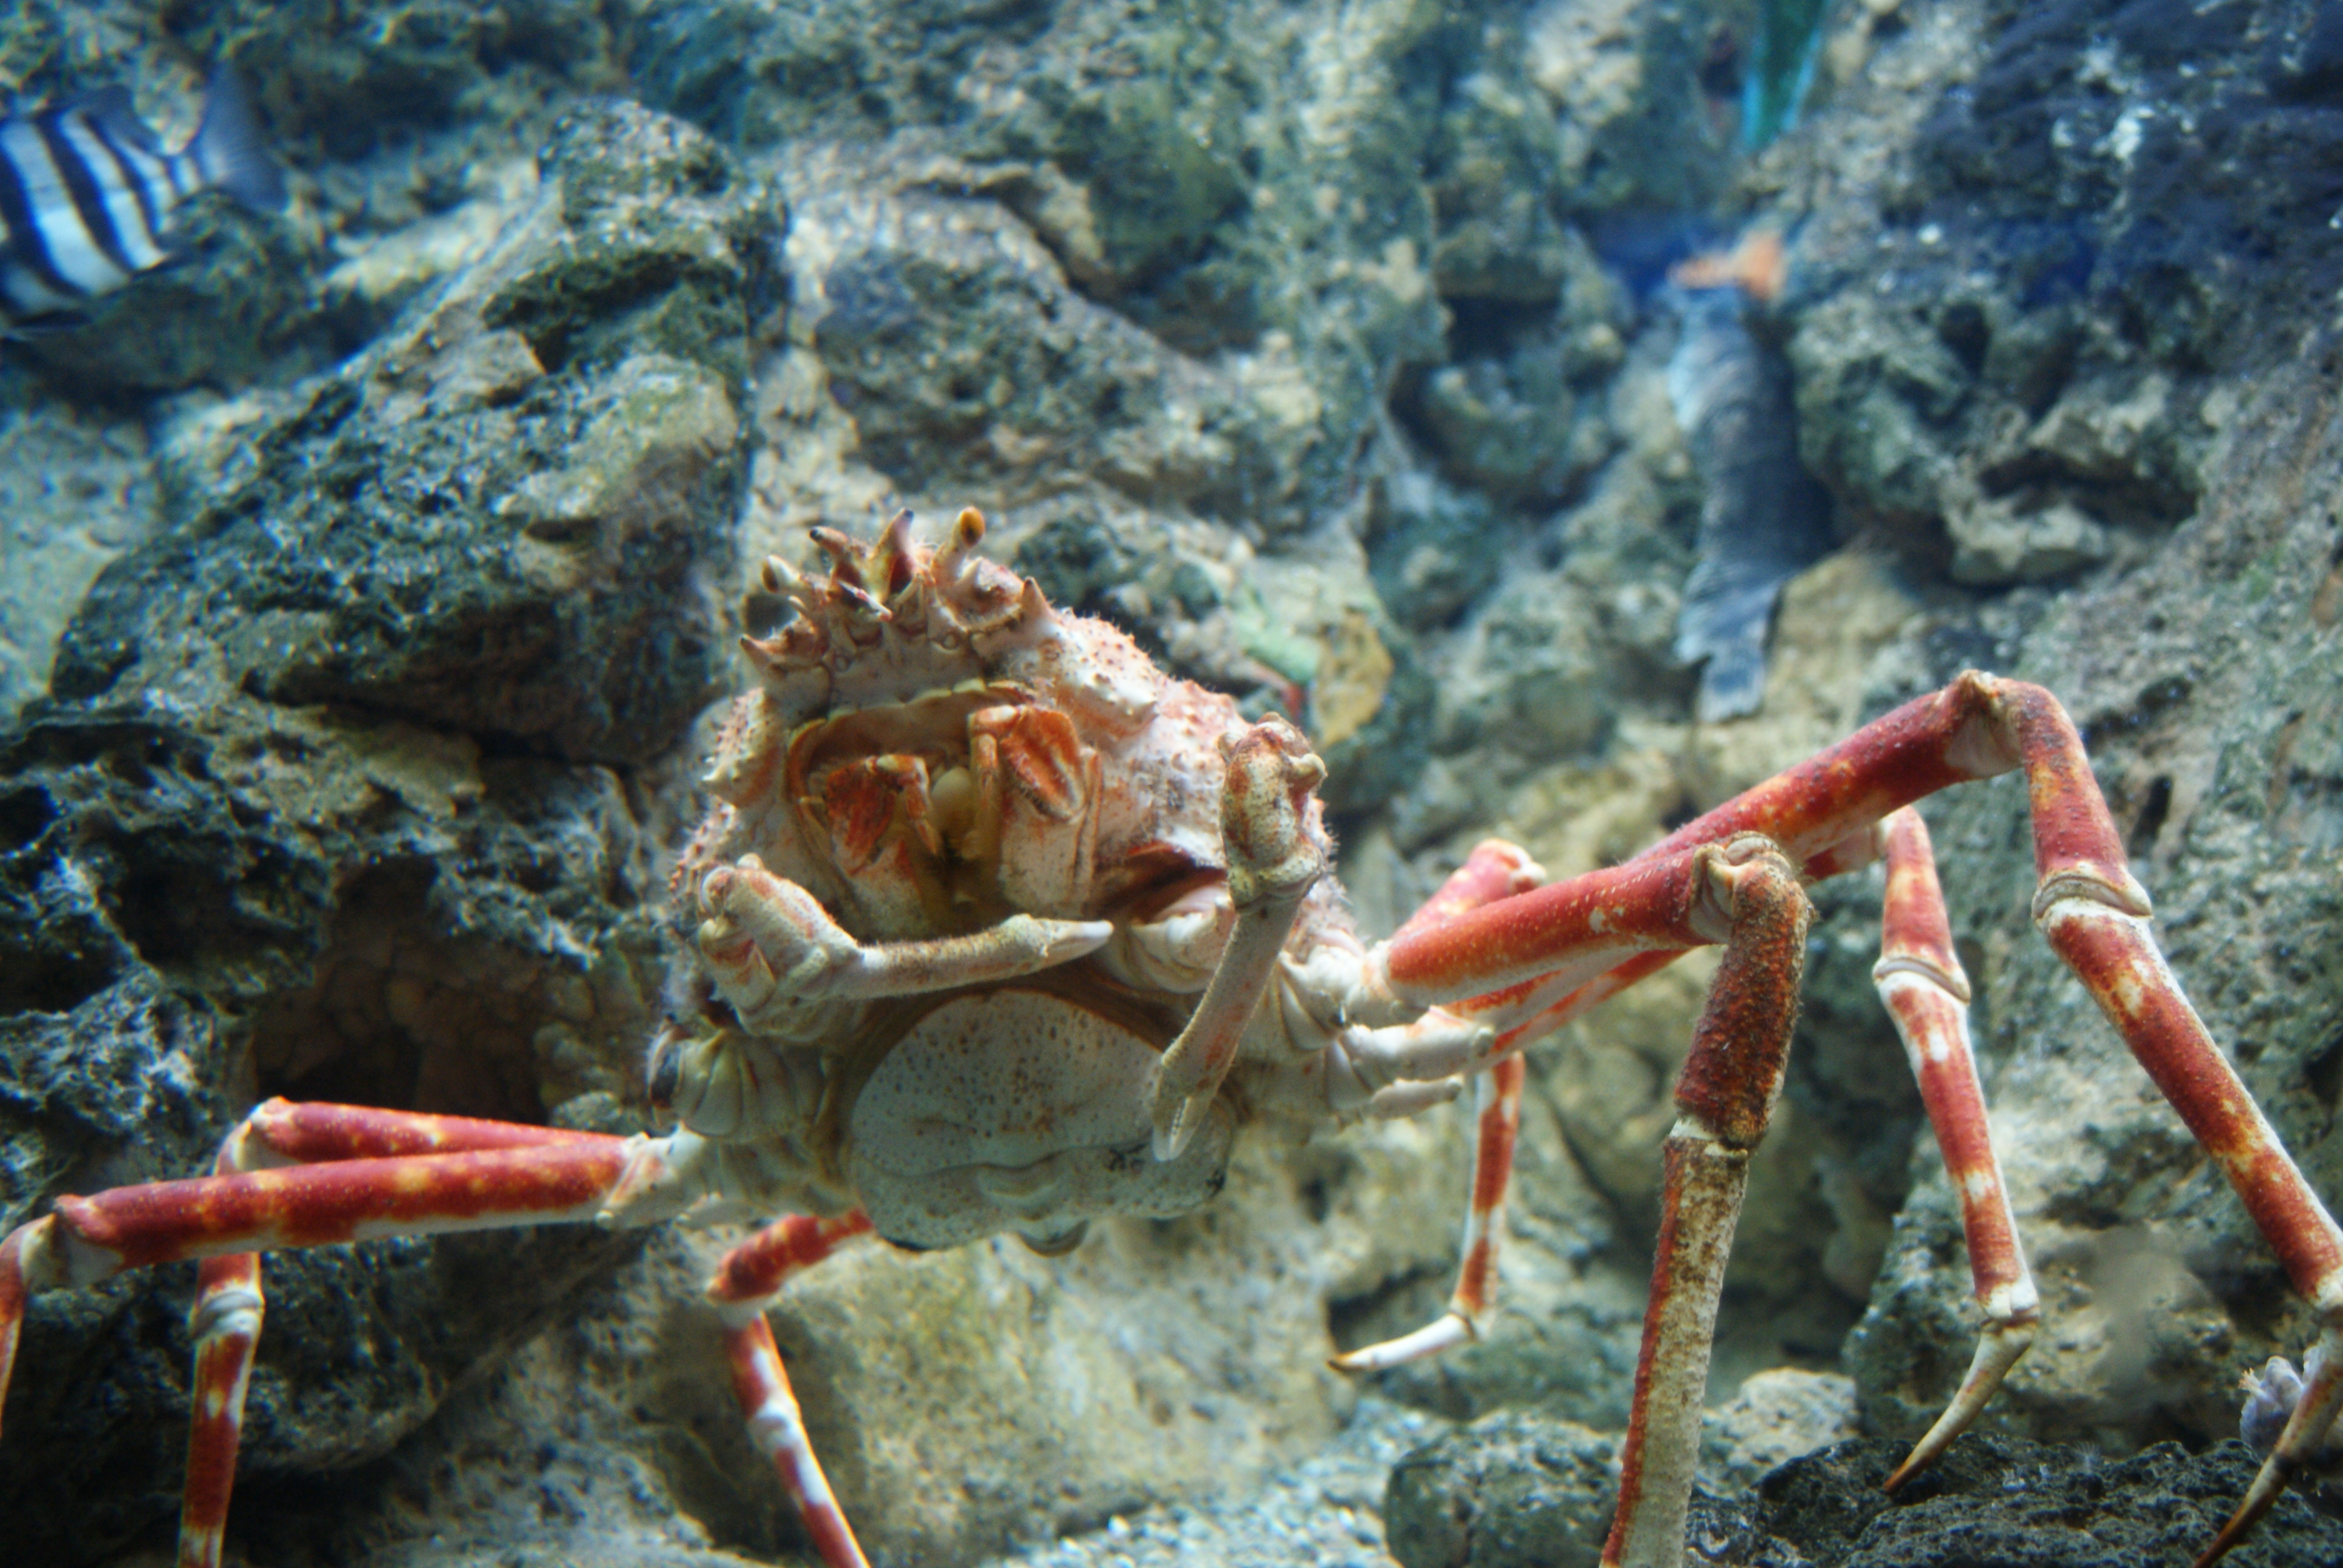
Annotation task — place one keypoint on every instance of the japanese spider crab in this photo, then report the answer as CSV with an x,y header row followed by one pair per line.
x,y
1004,929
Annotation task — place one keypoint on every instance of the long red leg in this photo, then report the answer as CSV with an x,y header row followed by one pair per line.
x,y
2096,917
1520,960
226,1323
1497,1115
1725,1095
1921,982
481,1175
230,1303
1495,869
745,1282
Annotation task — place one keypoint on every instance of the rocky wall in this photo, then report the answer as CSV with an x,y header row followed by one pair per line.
x,y
1337,368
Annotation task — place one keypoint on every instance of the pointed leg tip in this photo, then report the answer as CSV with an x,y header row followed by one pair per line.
x,y
1175,1127
1451,1328
2231,1534
1927,1450
2269,1485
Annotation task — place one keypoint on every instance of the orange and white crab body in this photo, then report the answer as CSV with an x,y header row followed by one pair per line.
x,y
967,877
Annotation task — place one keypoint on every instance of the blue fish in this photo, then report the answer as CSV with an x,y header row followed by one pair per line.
x,y
88,193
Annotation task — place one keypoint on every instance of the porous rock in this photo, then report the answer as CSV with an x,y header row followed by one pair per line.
x,y
327,798
1520,1489
2006,1499
77,494
2034,364
562,415
1773,1418
1235,204
1510,1491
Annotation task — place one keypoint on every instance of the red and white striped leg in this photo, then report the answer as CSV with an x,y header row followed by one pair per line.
x,y
226,1325
1495,869
292,1176
1497,1117
746,1281
2096,917
1921,982
230,1303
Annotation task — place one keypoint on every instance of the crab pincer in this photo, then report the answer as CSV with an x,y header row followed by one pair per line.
x,y
1273,861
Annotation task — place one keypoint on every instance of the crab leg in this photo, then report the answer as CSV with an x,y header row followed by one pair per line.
x,y
2096,917
1495,869
226,1325
1520,962
230,1303
1725,1095
85,1239
1497,1116
487,1175
1626,921
1649,908
745,1282
1921,982
1273,861
769,942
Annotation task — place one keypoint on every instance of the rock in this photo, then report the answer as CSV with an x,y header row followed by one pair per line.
x,y
605,333
1291,276
1774,1417
1994,542
423,100
234,302
1514,426
325,800
1510,1491
2004,1500
1526,674
2031,378
1623,79
339,81
1496,176
1513,1490
75,492
1433,549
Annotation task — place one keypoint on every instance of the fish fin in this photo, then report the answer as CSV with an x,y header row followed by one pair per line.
x,y
228,152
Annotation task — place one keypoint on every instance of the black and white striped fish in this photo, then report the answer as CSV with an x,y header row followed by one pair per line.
x,y
88,193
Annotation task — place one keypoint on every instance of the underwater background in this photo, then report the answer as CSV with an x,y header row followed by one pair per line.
x,y
1576,410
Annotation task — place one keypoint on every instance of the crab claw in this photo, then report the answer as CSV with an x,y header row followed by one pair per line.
x,y
1274,858
772,946
1275,855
